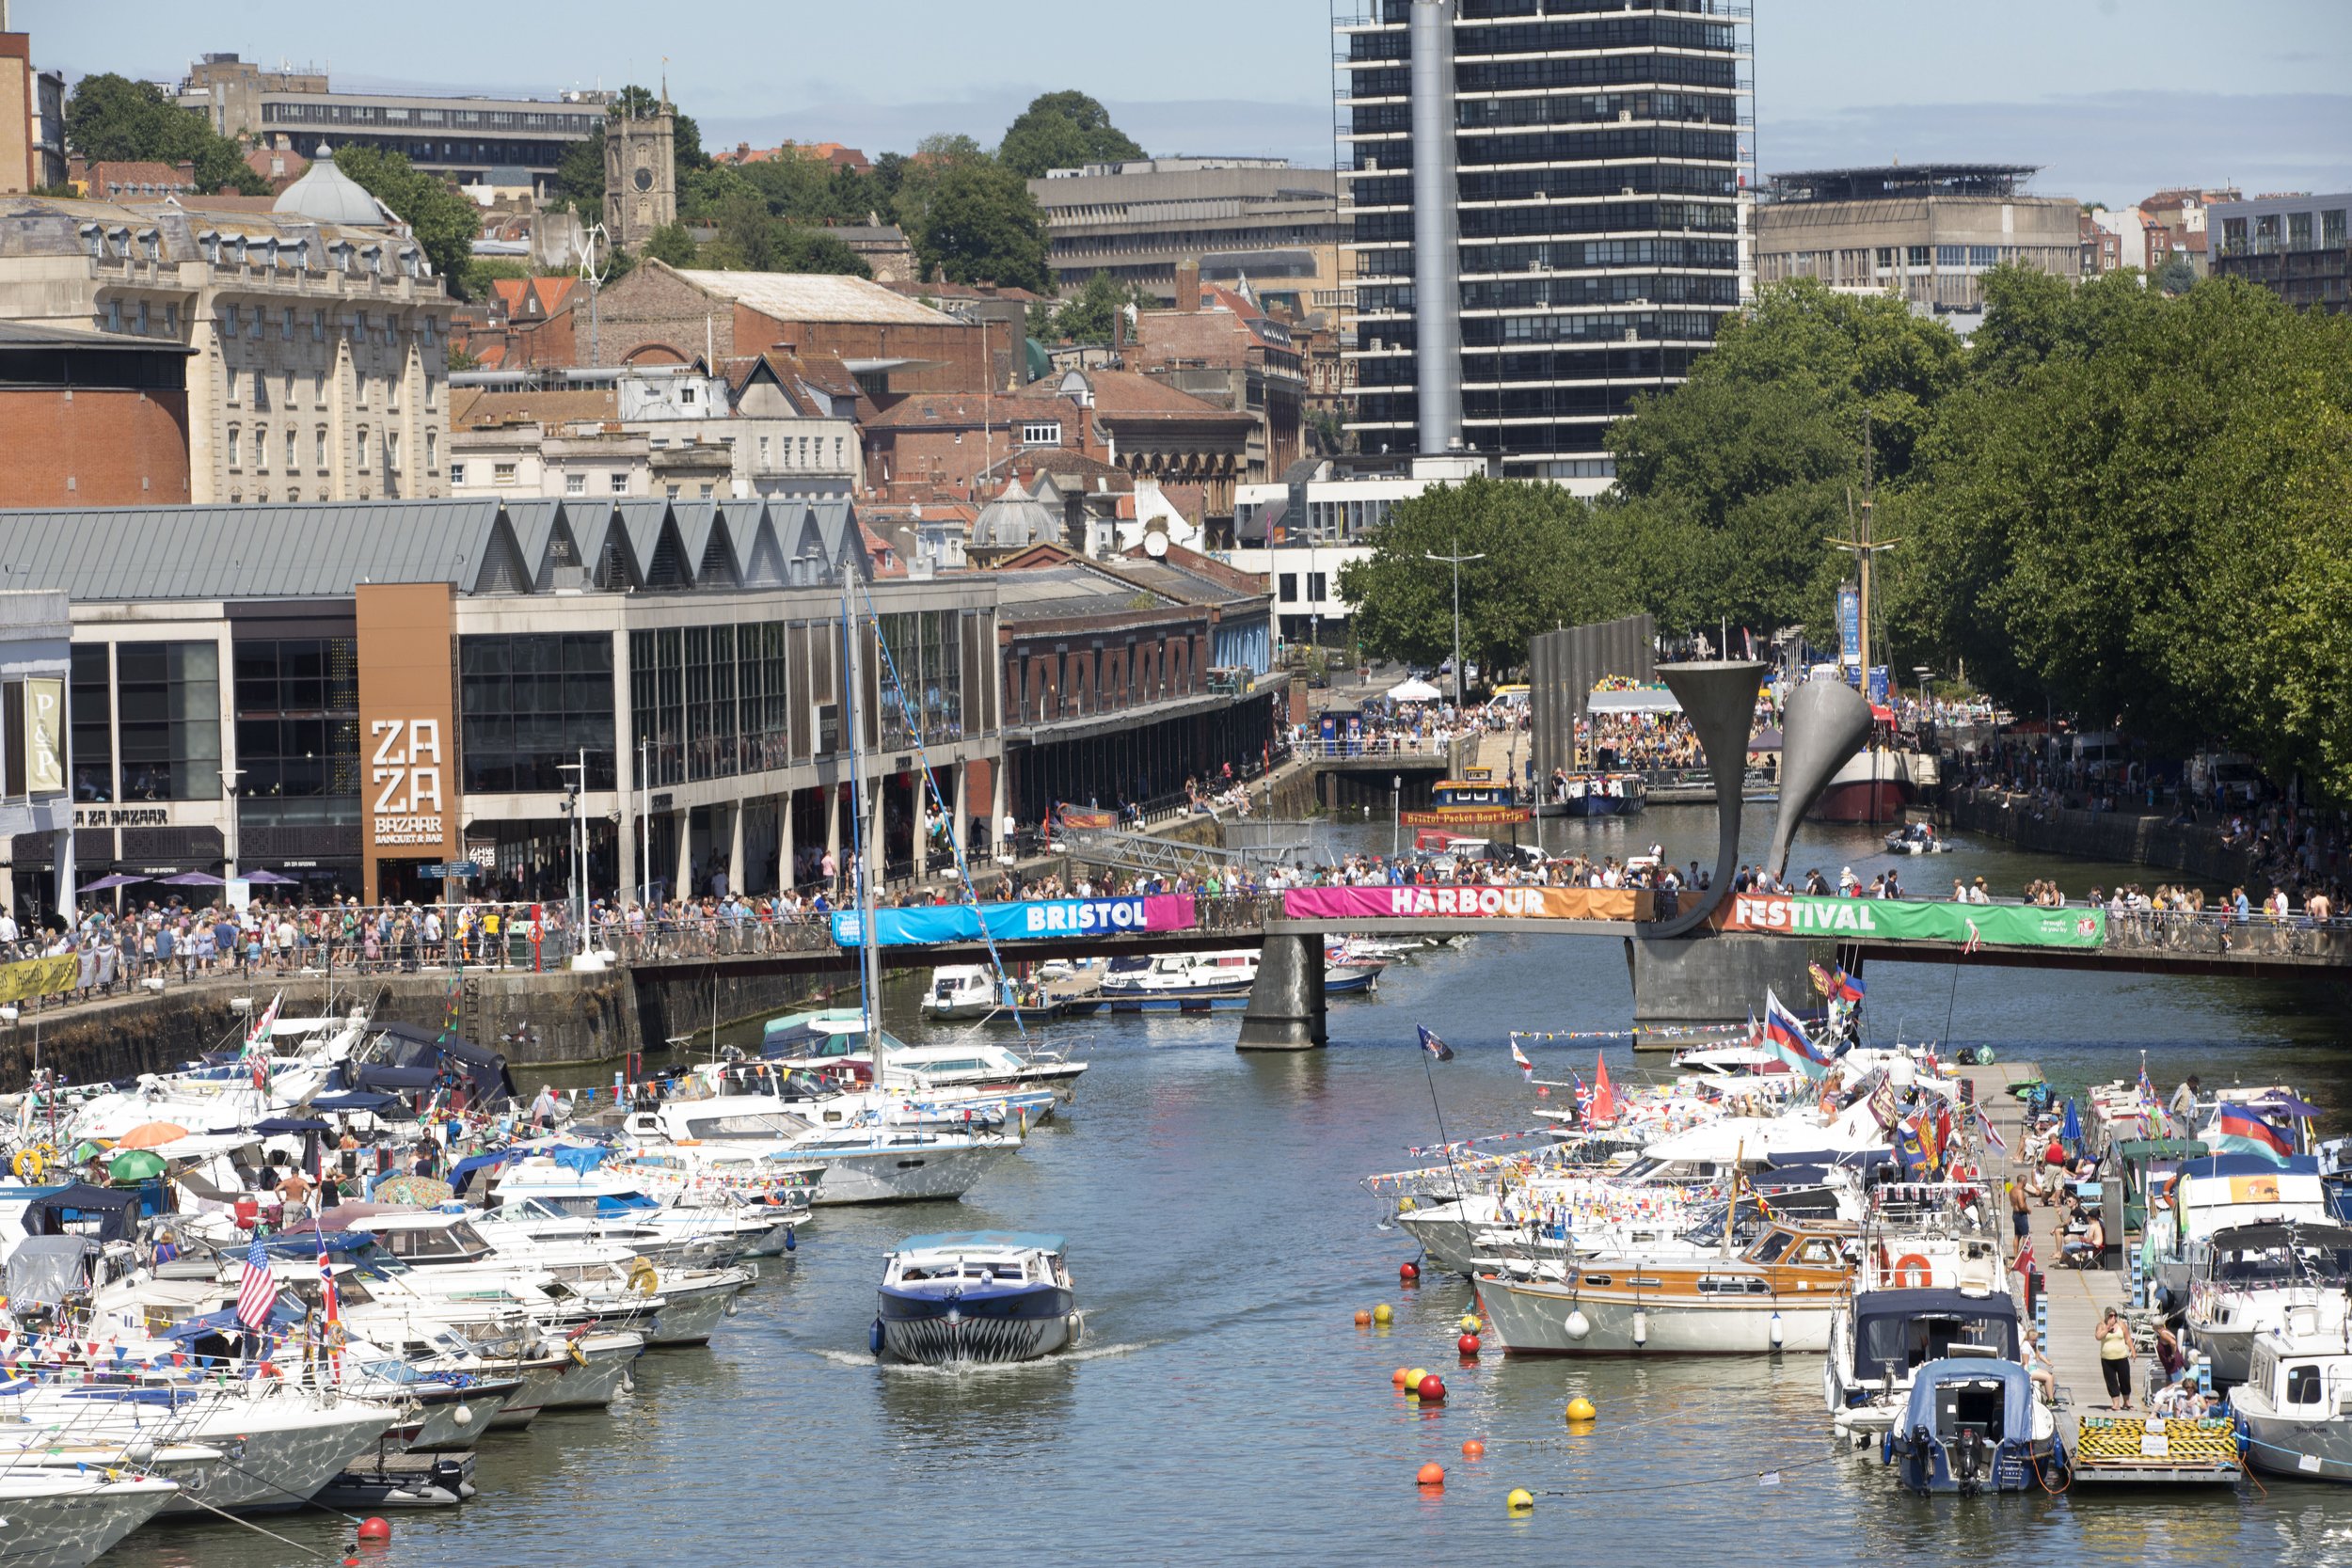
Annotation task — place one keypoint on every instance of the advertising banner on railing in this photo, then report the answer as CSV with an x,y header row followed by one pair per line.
x,y
1412,902
1914,920
21,982
1028,921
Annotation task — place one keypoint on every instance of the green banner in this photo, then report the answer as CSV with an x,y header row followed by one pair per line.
x,y
1914,920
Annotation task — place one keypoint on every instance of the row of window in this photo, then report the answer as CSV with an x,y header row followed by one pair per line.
x,y
262,449
364,388
277,111
168,698
2269,233
270,252
234,320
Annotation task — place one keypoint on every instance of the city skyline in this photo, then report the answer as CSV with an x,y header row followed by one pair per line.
x,y
2096,102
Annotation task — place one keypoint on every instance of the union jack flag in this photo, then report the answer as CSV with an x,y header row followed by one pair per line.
x,y
257,1292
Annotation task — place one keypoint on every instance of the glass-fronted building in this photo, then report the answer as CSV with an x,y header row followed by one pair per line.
x,y
1547,203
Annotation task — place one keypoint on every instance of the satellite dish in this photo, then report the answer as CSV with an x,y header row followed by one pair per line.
x,y
1155,545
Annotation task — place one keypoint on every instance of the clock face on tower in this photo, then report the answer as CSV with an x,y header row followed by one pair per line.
x,y
644,179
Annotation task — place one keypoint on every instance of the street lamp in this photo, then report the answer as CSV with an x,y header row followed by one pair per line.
x,y
229,777
1396,810
1456,562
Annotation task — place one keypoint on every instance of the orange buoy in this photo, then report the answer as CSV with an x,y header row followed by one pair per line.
x,y
374,1528
1466,1344
1432,1474
1473,1449
1431,1390
1398,1377
1363,1320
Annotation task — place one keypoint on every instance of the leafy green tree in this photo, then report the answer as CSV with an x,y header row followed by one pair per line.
x,y
670,243
978,223
580,177
113,118
1063,130
2177,276
445,222
1088,315
804,249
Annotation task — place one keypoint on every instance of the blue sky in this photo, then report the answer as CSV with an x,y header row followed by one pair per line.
x,y
2115,98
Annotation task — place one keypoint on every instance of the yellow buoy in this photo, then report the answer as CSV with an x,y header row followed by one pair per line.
x,y
1581,1409
1470,1323
1383,1312
1521,1500
1412,1378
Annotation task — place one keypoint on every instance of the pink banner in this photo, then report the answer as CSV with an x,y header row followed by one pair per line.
x,y
1168,911
1409,902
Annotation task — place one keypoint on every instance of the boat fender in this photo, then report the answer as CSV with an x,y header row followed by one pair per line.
x,y
1078,1327
874,1337
791,1241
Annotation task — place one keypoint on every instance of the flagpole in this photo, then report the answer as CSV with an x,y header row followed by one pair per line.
x,y
1444,1141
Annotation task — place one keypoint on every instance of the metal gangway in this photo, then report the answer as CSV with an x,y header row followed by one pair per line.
x,y
1148,855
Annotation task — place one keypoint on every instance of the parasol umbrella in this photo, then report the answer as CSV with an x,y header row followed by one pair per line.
x,y
136,1165
194,878
109,883
270,877
85,1150
2072,1131
150,1134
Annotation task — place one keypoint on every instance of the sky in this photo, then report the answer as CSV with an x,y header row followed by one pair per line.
x,y
2113,98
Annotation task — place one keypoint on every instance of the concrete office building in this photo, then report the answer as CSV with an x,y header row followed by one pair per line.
x,y
1258,218
1923,231
347,693
1547,201
2294,245
455,134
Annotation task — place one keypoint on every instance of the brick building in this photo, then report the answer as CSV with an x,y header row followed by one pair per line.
x,y
660,314
90,419
1218,345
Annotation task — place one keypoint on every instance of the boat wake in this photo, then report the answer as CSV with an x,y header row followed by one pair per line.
x,y
979,1368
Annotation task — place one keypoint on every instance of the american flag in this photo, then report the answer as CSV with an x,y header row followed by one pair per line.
x,y
257,1292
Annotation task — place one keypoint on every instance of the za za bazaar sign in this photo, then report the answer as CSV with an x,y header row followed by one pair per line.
x,y
406,771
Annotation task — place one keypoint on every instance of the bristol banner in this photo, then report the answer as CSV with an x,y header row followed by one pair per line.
x,y
1914,920
1410,902
1028,921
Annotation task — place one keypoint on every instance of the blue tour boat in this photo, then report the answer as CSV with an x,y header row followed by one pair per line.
x,y
981,1296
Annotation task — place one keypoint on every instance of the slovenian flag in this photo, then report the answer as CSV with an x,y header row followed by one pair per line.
x,y
2243,1132
1518,1059
1786,1038
1434,1046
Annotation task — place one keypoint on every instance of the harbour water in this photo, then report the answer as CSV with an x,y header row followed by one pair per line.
x,y
1225,1408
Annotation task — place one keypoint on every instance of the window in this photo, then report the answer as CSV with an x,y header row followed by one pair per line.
x,y
286,325
432,450
297,705
318,387
575,485
92,744
502,473
253,326
321,461
293,446
318,327
431,389
235,446
171,320
290,388
363,448
1918,255
620,484
1315,587
114,315
261,447
837,449
261,390
527,703
94,242
2331,235
763,451
2303,1386
228,321
392,449
457,474
151,245
1042,433
171,719
686,396
142,326
1289,583
705,489
363,390
2298,231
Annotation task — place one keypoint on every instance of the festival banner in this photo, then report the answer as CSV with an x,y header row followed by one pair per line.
x,y
1027,921
1085,816
1913,920
39,978
1409,902
1466,816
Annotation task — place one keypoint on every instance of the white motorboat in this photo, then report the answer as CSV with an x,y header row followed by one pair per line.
x,y
60,1519
2249,1279
985,1296
1882,1337
2295,1408
730,1137
616,1209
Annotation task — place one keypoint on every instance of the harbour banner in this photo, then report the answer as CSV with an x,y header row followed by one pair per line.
x,y
1027,921
1465,816
1913,920
1410,902
39,978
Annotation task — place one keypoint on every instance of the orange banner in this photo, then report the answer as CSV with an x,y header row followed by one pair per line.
x,y
1466,816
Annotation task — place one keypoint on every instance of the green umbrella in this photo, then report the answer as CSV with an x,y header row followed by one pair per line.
x,y
86,1150
136,1165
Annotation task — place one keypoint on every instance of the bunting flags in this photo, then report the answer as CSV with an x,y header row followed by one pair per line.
x,y
1518,1059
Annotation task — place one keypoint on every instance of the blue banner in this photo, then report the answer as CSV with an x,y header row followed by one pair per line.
x,y
1850,626
1030,921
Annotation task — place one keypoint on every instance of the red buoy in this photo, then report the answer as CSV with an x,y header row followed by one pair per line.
x,y
1466,1344
1409,1272
1432,1389
374,1528
1431,1475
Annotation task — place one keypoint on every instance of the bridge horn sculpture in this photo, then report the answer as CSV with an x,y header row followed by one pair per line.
x,y
1823,724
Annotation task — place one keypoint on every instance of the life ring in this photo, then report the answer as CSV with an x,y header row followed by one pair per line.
x,y
1911,1272
31,1164
644,1279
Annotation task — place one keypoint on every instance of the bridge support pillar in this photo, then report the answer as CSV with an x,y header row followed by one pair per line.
x,y
1686,988
787,864
1286,1006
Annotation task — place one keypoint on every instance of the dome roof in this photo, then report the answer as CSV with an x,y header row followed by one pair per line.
x,y
326,195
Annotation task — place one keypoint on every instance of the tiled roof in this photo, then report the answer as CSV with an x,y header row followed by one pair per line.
x,y
477,407
815,297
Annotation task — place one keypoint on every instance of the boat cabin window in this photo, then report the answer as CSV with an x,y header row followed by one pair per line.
x,y
1770,1246
453,1244
1733,1285
1911,1342
747,1125
1819,1251
2302,1386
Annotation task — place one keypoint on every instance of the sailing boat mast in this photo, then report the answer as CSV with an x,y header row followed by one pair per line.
x,y
870,958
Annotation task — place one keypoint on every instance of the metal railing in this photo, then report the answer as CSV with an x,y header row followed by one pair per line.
x,y
1317,748
2220,933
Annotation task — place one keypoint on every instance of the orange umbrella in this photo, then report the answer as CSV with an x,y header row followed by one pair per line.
x,y
152,1134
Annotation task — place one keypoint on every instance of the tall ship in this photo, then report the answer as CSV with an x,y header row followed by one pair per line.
x,y
1877,783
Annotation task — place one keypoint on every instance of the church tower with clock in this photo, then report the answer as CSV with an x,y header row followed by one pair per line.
x,y
640,175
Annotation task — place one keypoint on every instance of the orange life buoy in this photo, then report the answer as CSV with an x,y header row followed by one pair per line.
x,y
1911,1272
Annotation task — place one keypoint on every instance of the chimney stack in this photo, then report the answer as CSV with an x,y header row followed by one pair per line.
x,y
1189,285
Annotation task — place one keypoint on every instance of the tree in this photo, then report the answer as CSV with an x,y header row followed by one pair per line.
x,y
978,224
670,243
1086,316
2177,276
445,222
112,118
800,248
1063,130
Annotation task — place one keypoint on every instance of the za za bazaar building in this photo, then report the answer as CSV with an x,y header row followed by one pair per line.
x,y
348,694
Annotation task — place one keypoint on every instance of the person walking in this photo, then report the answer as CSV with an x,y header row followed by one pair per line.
x,y
2115,1359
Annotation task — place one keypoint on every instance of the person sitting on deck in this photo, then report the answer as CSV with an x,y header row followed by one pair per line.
x,y
2084,1252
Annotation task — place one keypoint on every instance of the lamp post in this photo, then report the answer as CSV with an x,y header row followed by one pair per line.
x,y
1396,810
229,777
1456,562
